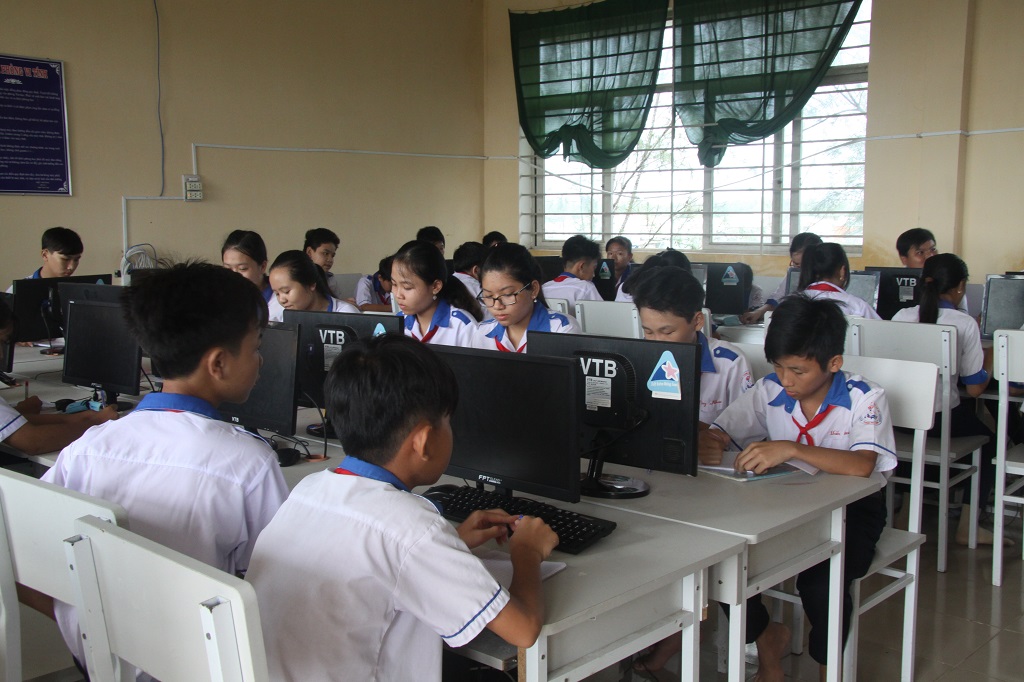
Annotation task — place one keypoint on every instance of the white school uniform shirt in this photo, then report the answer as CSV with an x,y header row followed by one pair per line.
x,y
334,305
188,481
970,364
778,294
449,326
622,296
471,282
359,579
724,376
571,288
369,292
490,335
848,303
10,420
855,417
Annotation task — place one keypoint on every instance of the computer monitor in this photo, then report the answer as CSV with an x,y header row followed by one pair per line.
x,y
727,287
897,289
604,275
322,337
7,349
76,291
37,307
271,403
99,350
700,271
863,284
1003,305
639,402
516,424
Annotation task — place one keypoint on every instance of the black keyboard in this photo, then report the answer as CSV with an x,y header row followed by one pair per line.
x,y
575,531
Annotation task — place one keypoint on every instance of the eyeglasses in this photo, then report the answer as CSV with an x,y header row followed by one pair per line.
x,y
506,299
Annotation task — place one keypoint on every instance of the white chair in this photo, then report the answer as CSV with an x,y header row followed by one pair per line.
x,y
1008,365
35,517
347,281
609,318
560,305
937,344
142,604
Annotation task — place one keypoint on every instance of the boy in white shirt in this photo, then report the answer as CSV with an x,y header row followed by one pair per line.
x,y
580,257
364,579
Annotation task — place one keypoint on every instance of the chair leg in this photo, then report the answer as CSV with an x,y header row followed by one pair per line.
x,y
972,537
943,514
909,617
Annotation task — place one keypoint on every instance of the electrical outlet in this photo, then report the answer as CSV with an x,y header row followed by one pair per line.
x,y
192,187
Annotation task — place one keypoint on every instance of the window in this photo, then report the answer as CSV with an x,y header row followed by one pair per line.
x,y
808,177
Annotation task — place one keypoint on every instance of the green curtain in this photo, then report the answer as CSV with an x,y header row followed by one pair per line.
x,y
585,77
743,69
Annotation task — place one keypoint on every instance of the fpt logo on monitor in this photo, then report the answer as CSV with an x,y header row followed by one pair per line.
x,y
379,330
664,381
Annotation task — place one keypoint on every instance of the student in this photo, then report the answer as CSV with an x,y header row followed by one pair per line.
x,y
61,251
915,246
825,273
796,255
433,235
666,257
493,238
299,284
321,246
245,253
373,292
620,250
437,308
366,579
580,257
188,480
22,427
942,285
511,293
809,410
467,260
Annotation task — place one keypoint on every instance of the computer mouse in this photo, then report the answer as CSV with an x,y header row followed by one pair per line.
x,y
62,404
440,493
287,456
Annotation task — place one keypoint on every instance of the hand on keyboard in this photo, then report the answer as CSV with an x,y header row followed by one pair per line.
x,y
532,534
486,524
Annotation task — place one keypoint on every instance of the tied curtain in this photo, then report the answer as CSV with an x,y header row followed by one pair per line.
x,y
743,69
585,77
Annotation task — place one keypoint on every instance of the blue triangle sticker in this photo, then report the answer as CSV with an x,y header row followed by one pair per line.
x,y
664,380
379,330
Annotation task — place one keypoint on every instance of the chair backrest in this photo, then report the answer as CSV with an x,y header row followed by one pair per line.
x,y
754,353
347,281
35,517
560,305
909,387
174,617
609,318
1008,356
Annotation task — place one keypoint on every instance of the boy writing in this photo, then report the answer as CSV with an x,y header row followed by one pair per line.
x,y
579,258
365,579
810,410
187,480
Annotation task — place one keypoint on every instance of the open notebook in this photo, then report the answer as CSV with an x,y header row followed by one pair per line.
x,y
726,469
499,564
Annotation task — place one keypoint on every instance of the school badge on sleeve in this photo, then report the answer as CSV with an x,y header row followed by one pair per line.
x,y
664,381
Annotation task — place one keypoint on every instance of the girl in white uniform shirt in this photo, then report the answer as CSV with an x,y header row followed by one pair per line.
x,y
825,273
511,293
245,253
300,284
942,285
437,307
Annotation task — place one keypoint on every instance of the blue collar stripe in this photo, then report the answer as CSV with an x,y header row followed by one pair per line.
x,y
177,401
367,470
838,394
540,320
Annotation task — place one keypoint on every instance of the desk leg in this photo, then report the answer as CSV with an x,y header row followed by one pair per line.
x,y
738,641
689,663
533,662
835,608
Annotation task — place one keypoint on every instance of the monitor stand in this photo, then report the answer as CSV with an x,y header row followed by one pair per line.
x,y
609,486
110,398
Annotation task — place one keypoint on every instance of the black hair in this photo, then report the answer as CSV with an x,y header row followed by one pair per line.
x,y
162,314
676,258
621,241
806,328
384,267
577,248
63,241
802,241
318,236
668,289
430,234
494,237
427,263
911,238
248,243
823,261
303,270
380,388
516,261
666,257
944,274
468,256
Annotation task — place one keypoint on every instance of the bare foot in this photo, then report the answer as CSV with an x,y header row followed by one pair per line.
x,y
772,645
653,662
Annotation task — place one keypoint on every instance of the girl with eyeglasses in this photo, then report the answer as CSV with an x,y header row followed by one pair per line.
x,y
511,293
437,307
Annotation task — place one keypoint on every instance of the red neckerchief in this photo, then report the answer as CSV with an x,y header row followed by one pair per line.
x,y
506,350
805,430
824,286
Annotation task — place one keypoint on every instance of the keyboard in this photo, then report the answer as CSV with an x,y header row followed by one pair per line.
x,y
575,531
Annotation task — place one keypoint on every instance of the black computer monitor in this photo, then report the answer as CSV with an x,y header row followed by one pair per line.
x,y
727,287
1003,305
7,360
271,403
99,350
639,402
897,289
863,284
604,275
516,425
322,337
37,307
77,291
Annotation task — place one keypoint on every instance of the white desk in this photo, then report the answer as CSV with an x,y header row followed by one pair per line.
x,y
745,333
789,523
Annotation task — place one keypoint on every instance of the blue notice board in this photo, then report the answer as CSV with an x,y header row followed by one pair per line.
x,y
34,156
